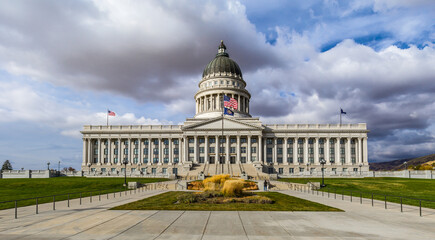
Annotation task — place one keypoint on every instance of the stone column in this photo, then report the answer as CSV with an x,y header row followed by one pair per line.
x,y
195,149
265,150
358,151
338,151
150,160
238,149
365,156
275,150
284,151
160,151
217,145
180,151
316,151
227,158
84,160
206,150
100,156
109,151
186,148
249,150
306,150
327,156
119,152
348,141
295,150
171,151
260,149
140,155
130,160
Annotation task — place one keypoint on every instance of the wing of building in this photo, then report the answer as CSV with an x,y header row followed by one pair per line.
x,y
210,143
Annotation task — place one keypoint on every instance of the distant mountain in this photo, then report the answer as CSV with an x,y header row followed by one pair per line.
x,y
399,164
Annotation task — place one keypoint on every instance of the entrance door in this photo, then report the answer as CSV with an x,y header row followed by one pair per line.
x,y
222,160
232,160
270,171
211,160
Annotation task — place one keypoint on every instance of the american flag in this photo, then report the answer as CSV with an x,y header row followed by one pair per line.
x,y
230,102
110,113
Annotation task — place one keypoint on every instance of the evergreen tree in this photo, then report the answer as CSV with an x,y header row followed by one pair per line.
x,y
6,165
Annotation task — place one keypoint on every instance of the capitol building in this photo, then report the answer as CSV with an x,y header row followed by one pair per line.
x,y
212,143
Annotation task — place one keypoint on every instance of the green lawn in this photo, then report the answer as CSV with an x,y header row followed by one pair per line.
x,y
411,188
14,189
282,202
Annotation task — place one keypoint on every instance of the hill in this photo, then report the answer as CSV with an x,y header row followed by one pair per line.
x,y
399,164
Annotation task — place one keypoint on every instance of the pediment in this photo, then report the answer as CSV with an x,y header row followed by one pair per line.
x,y
228,124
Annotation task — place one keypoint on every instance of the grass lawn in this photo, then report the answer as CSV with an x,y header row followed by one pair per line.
x,y
411,188
282,202
14,189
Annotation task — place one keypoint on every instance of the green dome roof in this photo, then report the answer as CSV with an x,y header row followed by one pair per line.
x,y
222,63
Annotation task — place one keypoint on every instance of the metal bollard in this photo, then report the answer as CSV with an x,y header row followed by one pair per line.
x,y
36,205
68,199
90,196
372,199
99,197
420,208
385,201
107,195
54,202
335,193
360,198
401,208
80,198
16,211
350,196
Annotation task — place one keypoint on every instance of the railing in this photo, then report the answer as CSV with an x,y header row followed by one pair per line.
x,y
360,195
70,196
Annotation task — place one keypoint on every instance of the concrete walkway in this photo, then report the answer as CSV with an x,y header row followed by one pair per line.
x,y
95,221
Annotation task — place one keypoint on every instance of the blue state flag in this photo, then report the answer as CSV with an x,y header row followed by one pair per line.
x,y
228,111
342,112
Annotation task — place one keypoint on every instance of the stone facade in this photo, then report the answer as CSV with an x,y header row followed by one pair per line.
x,y
211,143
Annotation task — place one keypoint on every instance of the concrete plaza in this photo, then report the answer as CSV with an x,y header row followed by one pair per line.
x,y
95,221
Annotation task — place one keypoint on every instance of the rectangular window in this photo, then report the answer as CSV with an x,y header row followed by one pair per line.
x,y
191,159
243,149
321,150
291,170
212,140
311,159
166,151
279,159
153,171
113,170
136,142
155,160
105,151
143,170
269,159
191,140
96,151
125,151
253,150
290,141
321,141
135,151
201,149
166,141
342,150
341,141
201,159
135,160
156,151
232,150
280,170
300,159
211,149
243,159
222,150
269,141
269,150
222,140
279,141
145,142
156,141
344,169
253,140
332,159
175,150
310,141
176,160
334,170
164,170
122,170
300,150
279,150
352,150
176,141
115,160
243,140
353,160
332,150
126,142
145,160
201,140
233,140
310,150
253,158
191,150
300,141
342,160
290,160
145,151
355,169
301,169
165,160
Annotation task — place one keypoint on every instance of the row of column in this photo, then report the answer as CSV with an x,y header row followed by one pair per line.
x,y
213,102
360,150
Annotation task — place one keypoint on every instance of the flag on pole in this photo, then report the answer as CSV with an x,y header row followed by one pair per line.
x,y
228,111
110,113
230,102
342,112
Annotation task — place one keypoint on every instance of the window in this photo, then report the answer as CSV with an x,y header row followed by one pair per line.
x,y
155,160
156,151
321,150
310,141
279,150
113,170
191,150
145,142
176,141
201,159
342,160
331,141
136,142
332,159
301,169
175,150
243,159
311,150
233,140
156,141
96,151
165,160
116,142
344,169
269,141
123,170
222,150
300,159
279,160
166,142
279,141
145,160
253,150
341,141
105,143
311,159
342,150
143,170
290,160
334,170
253,158
133,169
212,140
222,140
95,160
115,160
153,171
332,150
300,150
176,160
105,151
211,150
353,160
105,160
300,141
269,159
232,150
145,151
135,151
201,150
355,169
290,141
243,149
166,151
253,140
126,142
201,140
125,151
269,150
191,140
291,170
321,141
352,150
280,170
290,150
164,170
242,140
191,159
135,160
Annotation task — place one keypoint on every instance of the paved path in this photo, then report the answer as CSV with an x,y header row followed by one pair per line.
x,y
94,221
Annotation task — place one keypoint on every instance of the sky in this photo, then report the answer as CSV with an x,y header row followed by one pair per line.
x,y
64,63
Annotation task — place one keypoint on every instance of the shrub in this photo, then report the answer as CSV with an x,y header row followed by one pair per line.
x,y
187,198
233,188
249,185
195,185
215,183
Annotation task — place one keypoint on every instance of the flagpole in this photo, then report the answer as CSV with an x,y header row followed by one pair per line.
x,y
107,117
340,116
222,105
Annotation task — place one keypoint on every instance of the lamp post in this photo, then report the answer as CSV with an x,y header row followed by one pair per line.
x,y
322,161
89,168
360,165
406,163
125,172
48,165
308,169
